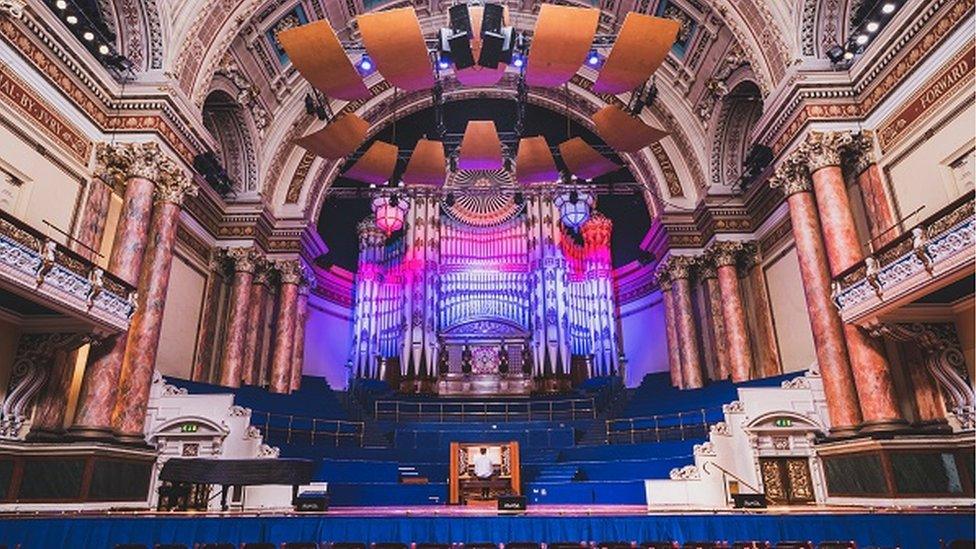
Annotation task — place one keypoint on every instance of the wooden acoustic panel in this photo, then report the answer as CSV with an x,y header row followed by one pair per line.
x,y
534,162
315,51
583,160
478,75
376,165
338,139
427,165
563,36
623,132
396,45
643,43
480,147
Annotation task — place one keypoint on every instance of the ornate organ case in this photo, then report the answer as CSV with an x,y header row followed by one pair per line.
x,y
485,295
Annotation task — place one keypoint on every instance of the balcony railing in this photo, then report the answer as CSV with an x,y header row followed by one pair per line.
x,y
37,267
292,429
677,426
938,248
461,412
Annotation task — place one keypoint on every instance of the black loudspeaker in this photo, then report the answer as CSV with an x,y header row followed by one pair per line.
x,y
491,21
749,501
310,502
511,503
492,37
460,45
460,19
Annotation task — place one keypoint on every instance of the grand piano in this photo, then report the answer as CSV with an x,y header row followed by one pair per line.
x,y
186,483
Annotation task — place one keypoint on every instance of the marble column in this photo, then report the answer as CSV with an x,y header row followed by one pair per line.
x,y
879,211
679,270
52,403
136,166
828,331
203,367
671,330
291,276
256,320
872,373
713,316
244,261
298,348
737,332
91,226
142,345
761,321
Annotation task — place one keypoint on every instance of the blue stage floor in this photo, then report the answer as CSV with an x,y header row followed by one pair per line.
x,y
908,531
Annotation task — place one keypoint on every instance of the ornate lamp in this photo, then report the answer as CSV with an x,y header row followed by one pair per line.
x,y
389,212
574,208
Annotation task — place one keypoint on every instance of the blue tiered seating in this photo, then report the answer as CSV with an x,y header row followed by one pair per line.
x,y
556,467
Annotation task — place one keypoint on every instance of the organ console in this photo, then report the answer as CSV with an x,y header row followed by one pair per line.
x,y
466,488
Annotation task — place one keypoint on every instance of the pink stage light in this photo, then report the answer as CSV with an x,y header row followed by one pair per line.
x,y
389,213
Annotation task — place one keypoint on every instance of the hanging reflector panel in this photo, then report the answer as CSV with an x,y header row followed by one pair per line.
x,y
583,160
534,162
376,165
643,43
480,147
623,132
427,165
562,39
396,45
315,51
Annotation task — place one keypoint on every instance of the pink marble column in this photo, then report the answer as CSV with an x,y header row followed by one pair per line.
x,y
137,165
872,373
244,261
203,358
298,349
291,275
880,213
825,323
710,279
142,345
256,320
761,319
53,402
691,364
91,227
671,332
726,256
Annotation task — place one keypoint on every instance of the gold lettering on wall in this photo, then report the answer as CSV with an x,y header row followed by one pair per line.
x,y
16,93
957,74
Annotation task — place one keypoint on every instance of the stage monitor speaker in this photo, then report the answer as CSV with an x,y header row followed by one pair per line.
x,y
749,501
511,503
312,502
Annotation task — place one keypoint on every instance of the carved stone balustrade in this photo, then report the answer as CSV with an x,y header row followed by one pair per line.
x,y
941,248
41,270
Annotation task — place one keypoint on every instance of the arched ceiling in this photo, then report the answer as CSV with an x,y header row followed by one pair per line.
x,y
229,44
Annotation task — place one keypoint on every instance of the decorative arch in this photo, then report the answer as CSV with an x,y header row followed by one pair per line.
x,y
139,32
802,423
822,24
740,110
228,124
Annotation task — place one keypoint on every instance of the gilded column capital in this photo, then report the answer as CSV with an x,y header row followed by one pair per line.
x,y
726,253
292,271
119,162
264,272
861,152
681,266
824,149
217,260
791,174
751,254
245,260
173,186
706,268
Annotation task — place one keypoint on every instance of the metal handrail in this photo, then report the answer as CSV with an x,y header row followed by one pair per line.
x,y
336,433
731,474
440,412
613,432
452,435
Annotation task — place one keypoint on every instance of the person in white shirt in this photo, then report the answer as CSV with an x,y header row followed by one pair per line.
x,y
483,469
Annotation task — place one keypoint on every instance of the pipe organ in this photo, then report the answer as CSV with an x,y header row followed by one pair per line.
x,y
484,285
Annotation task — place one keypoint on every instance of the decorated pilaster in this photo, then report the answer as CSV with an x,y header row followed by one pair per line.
x,y
298,347
671,328
737,332
708,276
679,271
292,272
244,261
828,333
203,367
91,226
257,318
760,314
172,187
136,166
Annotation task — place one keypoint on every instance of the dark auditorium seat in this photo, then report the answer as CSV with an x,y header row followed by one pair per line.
x,y
215,546
705,545
130,546
565,545
347,545
659,545
170,546
259,545
751,545
522,545
300,545
389,545
435,546
794,545
962,544
836,545
480,545
615,545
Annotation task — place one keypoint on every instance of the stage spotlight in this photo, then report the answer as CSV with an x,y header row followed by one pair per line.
x,y
365,65
848,55
72,19
861,39
593,58
103,49
888,8
61,5
88,36
836,53
518,61
449,199
872,26
443,63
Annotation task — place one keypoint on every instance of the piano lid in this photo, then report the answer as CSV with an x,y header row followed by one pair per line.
x,y
239,472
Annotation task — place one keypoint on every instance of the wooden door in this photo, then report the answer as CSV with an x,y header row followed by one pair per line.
x,y
787,480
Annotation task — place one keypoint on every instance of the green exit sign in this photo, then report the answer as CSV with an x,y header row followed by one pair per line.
x,y
189,428
784,422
